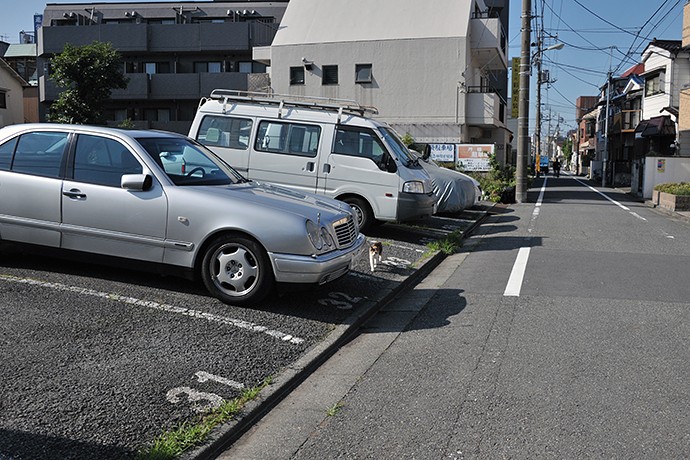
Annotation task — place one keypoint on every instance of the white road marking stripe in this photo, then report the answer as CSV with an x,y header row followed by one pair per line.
x,y
604,195
246,325
203,376
638,216
517,274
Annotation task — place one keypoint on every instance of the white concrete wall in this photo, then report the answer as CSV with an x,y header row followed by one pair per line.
x,y
676,169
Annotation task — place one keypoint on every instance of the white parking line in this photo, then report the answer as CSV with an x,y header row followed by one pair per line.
x,y
517,274
246,325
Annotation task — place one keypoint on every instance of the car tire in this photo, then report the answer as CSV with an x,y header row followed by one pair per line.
x,y
363,212
236,270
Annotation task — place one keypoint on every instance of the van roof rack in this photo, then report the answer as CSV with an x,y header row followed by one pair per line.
x,y
283,100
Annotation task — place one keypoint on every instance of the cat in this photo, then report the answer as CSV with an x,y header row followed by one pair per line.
x,y
375,253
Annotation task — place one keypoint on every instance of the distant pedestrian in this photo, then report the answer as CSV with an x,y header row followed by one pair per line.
x,y
556,167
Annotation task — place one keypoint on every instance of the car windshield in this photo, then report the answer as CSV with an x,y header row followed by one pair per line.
x,y
397,146
189,163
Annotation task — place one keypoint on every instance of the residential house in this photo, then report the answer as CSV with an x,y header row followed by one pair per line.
x,y
587,141
174,53
666,72
582,152
625,109
22,59
438,73
11,95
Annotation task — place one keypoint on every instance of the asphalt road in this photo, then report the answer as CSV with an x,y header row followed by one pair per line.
x,y
97,361
563,331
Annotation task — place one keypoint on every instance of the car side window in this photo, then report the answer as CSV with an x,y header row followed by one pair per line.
x,y
230,132
6,152
358,143
103,161
40,153
288,138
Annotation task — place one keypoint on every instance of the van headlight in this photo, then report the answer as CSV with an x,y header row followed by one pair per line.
x,y
319,236
414,186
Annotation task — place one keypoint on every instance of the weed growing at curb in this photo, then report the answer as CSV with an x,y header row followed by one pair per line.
x,y
334,409
448,245
173,443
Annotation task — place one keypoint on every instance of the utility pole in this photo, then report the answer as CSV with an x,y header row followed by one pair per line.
x,y
523,107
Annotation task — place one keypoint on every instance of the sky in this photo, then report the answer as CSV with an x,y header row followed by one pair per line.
x,y
588,29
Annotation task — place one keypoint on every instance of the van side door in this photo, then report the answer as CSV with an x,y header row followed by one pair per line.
x,y
360,164
285,153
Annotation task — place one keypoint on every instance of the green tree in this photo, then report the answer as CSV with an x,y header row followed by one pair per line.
x,y
567,150
88,75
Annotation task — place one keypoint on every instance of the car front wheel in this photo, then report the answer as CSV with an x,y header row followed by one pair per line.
x,y
236,270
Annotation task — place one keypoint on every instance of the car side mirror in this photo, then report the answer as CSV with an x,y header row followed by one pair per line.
x,y
136,182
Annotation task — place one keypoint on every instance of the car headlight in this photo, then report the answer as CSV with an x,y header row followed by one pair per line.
x,y
413,187
319,236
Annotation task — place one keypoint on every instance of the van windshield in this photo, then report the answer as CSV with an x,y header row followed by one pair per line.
x,y
397,146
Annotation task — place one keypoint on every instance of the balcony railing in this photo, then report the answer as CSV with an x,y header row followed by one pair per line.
x,y
135,38
183,86
488,43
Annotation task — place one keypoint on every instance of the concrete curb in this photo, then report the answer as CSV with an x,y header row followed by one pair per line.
x,y
222,437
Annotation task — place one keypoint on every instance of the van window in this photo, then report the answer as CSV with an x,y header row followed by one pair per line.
x,y
359,143
288,138
228,132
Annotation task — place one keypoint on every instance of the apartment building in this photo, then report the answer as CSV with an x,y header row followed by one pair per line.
x,y
438,72
174,53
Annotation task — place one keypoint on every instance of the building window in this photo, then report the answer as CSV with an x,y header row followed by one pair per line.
x,y
245,67
297,75
330,75
653,85
207,67
362,73
3,100
157,67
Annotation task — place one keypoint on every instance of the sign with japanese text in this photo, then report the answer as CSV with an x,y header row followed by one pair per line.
x,y
444,153
474,157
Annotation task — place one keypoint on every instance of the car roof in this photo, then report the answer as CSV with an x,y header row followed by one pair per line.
x,y
127,133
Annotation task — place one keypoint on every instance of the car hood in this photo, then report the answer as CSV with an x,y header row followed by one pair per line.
x,y
308,205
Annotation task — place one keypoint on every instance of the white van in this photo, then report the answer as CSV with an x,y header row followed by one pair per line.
x,y
317,145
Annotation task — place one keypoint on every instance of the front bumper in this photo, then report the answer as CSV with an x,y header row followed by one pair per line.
x,y
415,206
290,268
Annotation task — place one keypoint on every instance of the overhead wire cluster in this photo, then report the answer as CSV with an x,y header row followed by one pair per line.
x,y
551,24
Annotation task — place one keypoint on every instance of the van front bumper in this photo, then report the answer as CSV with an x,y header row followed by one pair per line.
x,y
290,268
416,206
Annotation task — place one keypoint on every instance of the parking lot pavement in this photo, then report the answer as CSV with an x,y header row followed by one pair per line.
x,y
99,361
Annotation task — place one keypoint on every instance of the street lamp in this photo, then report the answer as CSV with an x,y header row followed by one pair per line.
x,y
537,129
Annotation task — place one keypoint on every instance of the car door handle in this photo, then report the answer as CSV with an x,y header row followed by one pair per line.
x,y
310,166
326,168
74,193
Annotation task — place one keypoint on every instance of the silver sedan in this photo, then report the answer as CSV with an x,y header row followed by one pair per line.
x,y
161,197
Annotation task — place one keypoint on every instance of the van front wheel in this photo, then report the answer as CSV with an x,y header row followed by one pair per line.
x,y
365,216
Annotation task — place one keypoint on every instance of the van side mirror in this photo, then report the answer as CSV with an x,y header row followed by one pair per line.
x,y
427,152
136,182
